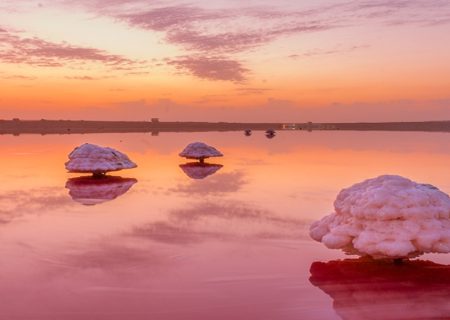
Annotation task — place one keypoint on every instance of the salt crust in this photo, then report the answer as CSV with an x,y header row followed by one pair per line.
x,y
96,159
199,150
387,217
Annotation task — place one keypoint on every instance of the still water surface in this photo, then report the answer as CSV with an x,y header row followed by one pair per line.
x,y
168,241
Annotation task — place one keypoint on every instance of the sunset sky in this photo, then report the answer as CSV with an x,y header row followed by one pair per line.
x,y
225,60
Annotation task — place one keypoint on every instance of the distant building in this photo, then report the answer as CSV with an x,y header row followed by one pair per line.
x,y
290,126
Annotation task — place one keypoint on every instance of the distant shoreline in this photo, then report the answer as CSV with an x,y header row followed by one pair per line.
x,y
17,126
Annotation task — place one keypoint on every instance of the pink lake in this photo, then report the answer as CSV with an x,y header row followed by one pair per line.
x,y
157,242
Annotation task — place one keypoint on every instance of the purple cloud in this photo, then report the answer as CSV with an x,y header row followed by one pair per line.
x,y
211,68
252,91
88,78
401,12
165,18
202,30
34,51
325,52
223,42
18,77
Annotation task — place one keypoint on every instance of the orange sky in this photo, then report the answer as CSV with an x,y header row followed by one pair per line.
x,y
216,60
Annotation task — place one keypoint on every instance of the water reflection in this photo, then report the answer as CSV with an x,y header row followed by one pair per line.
x,y
19,203
231,246
221,220
377,289
229,182
198,170
91,191
270,133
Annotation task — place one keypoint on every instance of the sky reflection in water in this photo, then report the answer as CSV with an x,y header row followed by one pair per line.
x,y
233,244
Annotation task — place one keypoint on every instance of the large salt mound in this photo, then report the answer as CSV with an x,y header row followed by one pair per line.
x,y
387,217
98,160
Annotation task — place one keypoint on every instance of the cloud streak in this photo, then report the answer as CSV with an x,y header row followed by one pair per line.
x,y
211,68
15,49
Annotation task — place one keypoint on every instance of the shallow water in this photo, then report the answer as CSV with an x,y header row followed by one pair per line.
x,y
165,241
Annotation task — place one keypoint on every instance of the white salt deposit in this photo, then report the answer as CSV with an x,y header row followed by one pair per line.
x,y
98,160
199,151
387,217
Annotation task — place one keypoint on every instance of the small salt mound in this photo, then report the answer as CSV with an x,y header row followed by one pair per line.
x,y
199,151
387,217
95,159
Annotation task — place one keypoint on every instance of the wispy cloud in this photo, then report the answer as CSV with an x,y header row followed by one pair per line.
x,y
217,35
219,31
18,77
211,68
38,52
251,91
325,52
86,78
166,18
400,12
213,36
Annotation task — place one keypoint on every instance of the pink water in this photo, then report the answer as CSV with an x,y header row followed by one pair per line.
x,y
157,244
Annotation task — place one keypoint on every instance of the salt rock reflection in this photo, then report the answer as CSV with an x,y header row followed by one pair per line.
x,y
91,191
198,170
367,289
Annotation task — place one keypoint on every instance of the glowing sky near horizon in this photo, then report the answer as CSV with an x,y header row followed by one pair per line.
x,y
217,60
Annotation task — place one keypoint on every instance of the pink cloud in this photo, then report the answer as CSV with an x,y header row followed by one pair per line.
x,y
165,18
211,68
223,42
17,77
199,29
325,52
252,91
88,78
34,51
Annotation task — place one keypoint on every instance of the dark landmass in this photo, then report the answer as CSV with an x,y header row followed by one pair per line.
x,y
17,126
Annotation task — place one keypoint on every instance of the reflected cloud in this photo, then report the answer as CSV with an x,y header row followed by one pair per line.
x,y
17,203
91,191
198,171
111,256
376,289
222,220
172,233
219,184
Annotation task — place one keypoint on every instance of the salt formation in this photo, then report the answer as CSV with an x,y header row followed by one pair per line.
x,y
97,160
387,217
200,151
195,170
